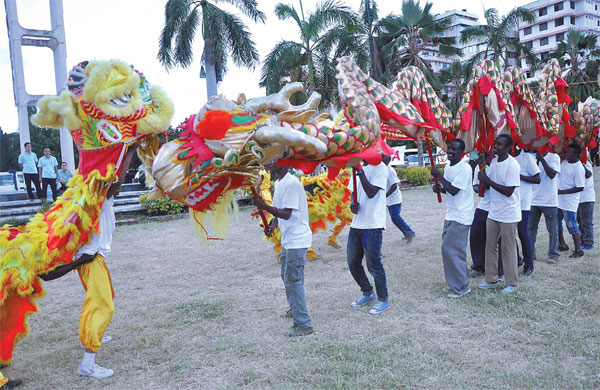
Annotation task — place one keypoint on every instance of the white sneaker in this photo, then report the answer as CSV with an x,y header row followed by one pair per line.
x,y
96,371
106,339
454,295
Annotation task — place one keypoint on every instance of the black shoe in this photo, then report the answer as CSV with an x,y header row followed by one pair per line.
x,y
528,271
519,261
576,254
563,248
475,274
12,384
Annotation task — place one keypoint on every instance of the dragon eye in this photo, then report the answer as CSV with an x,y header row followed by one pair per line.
x,y
109,131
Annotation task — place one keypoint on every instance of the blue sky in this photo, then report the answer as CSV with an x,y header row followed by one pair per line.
x,y
129,30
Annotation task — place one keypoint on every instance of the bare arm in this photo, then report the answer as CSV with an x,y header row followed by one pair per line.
x,y
549,171
279,213
504,190
535,179
392,189
446,186
573,190
369,188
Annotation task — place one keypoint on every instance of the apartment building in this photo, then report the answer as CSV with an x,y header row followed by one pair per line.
x,y
554,19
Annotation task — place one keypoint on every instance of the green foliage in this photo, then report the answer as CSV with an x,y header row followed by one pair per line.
x,y
401,173
162,206
418,175
15,221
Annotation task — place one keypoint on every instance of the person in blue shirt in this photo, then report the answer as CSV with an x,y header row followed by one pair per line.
x,y
48,170
28,164
64,175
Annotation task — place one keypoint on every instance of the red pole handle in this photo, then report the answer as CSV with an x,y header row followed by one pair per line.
x,y
261,212
435,180
354,198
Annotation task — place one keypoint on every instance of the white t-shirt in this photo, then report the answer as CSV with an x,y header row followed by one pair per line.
x,y
100,242
546,193
484,203
396,196
290,194
588,194
505,209
460,207
529,167
571,175
372,213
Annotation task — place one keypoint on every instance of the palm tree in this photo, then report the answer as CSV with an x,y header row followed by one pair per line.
x,y
496,36
455,76
224,35
325,29
405,37
576,54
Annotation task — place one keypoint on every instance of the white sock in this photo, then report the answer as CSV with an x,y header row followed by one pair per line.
x,y
88,359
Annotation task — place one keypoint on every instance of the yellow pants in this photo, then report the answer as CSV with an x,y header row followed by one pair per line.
x,y
98,307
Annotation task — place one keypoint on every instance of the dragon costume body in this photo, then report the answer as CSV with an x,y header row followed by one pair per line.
x,y
109,108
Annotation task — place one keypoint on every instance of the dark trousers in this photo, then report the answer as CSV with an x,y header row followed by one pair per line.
x,y
35,178
585,218
367,243
52,184
477,237
523,231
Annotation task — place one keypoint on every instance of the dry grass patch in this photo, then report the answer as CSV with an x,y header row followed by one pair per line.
x,y
188,317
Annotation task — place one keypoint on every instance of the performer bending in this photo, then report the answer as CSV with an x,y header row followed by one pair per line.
x,y
290,213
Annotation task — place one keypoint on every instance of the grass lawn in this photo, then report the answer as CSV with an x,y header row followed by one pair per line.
x,y
192,318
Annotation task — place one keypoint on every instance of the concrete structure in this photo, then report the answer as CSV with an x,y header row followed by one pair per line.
x,y
54,40
554,19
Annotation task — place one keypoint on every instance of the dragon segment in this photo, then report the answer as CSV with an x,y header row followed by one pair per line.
x,y
109,108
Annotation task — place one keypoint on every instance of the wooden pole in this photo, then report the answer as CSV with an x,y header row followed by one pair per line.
x,y
435,180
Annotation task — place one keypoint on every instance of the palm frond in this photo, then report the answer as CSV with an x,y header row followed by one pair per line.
x,y
287,11
331,12
279,63
248,8
237,39
176,12
184,54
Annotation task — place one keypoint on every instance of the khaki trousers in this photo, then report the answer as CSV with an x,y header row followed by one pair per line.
x,y
508,233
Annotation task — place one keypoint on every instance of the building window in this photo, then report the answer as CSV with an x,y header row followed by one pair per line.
x,y
544,41
559,22
558,7
529,45
573,20
543,26
543,11
544,56
527,31
572,5
560,37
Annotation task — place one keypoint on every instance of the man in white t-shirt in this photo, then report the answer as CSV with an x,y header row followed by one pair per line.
x,y
48,170
570,185
585,211
366,233
545,201
456,183
28,164
530,176
394,202
505,213
290,213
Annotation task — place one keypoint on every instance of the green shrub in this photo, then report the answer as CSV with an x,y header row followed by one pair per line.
x,y
418,175
401,173
162,206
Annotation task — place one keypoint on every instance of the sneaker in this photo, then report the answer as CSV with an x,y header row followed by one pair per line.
x,y
475,274
364,300
587,247
576,254
96,371
552,260
487,286
106,339
528,272
501,278
563,248
298,330
288,314
12,384
454,295
509,289
409,239
379,307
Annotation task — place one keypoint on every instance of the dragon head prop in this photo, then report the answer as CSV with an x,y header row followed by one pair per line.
x,y
108,107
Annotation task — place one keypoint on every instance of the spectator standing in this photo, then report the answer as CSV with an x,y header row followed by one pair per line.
x,y
48,170
545,201
505,214
530,176
477,233
366,234
28,164
394,202
64,175
456,183
585,210
570,186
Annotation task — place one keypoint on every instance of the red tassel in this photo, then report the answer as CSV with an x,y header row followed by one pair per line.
x,y
214,125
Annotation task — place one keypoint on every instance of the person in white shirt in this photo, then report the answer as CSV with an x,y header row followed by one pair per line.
x,y
394,202
456,183
28,164
570,186
505,214
530,176
366,233
545,201
48,170
290,213
585,211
